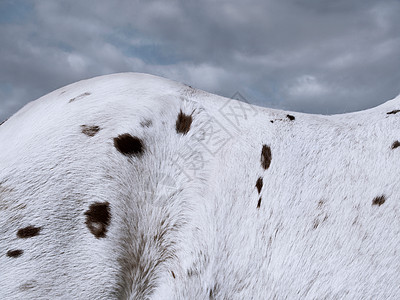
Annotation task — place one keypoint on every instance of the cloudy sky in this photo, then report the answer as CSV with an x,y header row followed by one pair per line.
x,y
317,56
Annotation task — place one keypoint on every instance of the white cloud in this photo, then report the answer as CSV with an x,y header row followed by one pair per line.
x,y
307,86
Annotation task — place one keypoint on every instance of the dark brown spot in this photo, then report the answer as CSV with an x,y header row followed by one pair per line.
x,y
173,274
395,144
259,203
183,123
272,121
146,123
90,130
14,253
79,97
28,232
98,218
379,200
266,157
259,184
128,145
290,117
393,112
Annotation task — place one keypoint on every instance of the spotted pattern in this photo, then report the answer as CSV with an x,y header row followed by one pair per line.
x,y
266,157
28,232
98,218
129,145
14,253
90,130
183,123
379,200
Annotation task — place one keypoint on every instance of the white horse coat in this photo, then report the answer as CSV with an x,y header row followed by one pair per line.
x,y
131,186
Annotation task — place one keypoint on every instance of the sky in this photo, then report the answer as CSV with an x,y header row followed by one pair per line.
x,y
314,56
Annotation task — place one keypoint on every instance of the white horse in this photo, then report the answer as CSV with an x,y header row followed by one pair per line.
x,y
131,186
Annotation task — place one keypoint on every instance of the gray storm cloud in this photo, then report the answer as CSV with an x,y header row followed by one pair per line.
x,y
311,56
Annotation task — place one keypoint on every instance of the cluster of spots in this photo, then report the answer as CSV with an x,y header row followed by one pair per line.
x,y
379,200
98,218
393,112
90,130
79,97
266,157
395,144
24,233
183,123
290,117
129,145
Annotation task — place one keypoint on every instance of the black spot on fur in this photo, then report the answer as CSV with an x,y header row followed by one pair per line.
x,y
379,200
259,203
266,157
173,274
272,121
259,184
28,232
128,145
146,123
98,218
290,117
393,112
90,130
14,253
79,97
395,144
183,123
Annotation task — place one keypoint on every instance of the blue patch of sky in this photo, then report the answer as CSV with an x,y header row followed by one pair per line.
x,y
6,87
15,11
149,50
